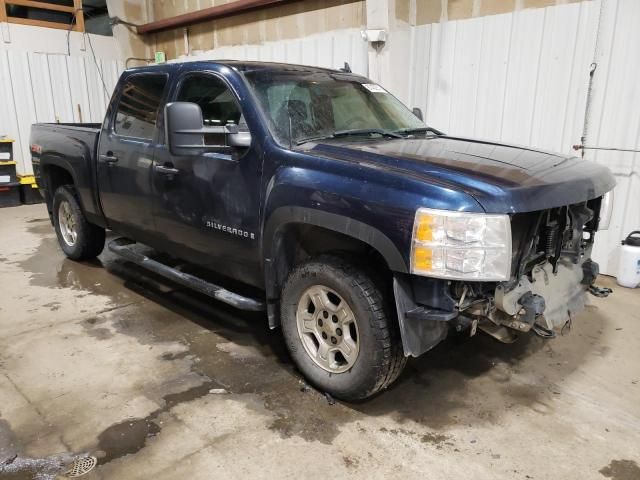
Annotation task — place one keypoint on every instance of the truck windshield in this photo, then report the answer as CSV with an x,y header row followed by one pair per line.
x,y
306,106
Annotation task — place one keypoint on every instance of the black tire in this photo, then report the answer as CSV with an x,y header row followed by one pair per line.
x,y
90,238
380,359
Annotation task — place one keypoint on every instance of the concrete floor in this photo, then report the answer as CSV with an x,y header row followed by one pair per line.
x,y
96,358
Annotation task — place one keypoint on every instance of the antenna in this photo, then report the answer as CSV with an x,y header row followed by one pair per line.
x,y
346,68
290,128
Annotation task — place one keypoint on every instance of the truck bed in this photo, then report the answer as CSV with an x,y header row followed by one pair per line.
x,y
71,147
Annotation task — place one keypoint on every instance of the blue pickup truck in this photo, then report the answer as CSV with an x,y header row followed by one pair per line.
x,y
366,235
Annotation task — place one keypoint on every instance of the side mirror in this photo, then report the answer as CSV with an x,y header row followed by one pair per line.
x,y
185,130
237,138
417,112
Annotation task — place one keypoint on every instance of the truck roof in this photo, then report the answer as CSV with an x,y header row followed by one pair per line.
x,y
241,65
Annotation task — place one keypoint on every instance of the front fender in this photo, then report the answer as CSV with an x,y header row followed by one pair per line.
x,y
337,223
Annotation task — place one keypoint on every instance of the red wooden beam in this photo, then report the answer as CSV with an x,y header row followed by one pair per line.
x,y
211,13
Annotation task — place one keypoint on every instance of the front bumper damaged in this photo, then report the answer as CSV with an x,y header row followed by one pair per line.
x,y
544,298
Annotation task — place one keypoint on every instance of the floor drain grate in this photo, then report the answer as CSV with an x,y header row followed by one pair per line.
x,y
81,466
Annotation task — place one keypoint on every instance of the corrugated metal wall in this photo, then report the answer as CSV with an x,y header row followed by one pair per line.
x,y
330,50
523,77
45,87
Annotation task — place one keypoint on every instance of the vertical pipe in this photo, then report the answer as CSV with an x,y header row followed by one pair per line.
x,y
592,74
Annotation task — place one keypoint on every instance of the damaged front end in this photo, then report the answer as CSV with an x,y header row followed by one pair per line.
x,y
551,272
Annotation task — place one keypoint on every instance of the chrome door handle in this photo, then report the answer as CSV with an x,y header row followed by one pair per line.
x,y
108,158
164,170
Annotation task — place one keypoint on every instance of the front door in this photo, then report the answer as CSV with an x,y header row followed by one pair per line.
x,y
125,155
207,205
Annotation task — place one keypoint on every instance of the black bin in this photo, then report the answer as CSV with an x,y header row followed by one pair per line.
x,y
9,194
6,150
8,172
29,194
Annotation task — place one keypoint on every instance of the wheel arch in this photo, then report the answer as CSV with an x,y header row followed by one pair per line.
x,y
295,233
55,173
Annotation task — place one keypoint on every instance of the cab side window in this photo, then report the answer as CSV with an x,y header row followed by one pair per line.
x,y
218,104
138,106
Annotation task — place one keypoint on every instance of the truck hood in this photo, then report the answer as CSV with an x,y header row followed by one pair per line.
x,y
502,178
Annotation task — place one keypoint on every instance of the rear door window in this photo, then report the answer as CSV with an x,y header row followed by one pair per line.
x,y
138,106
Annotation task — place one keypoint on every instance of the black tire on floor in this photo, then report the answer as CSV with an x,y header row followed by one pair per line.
x,y
90,238
380,359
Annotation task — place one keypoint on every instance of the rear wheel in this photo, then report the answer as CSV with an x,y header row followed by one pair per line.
x,y
79,239
339,330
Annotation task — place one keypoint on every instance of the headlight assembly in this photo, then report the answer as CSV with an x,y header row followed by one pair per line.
x,y
461,246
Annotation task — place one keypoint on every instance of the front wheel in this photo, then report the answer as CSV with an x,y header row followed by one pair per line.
x,y
79,239
339,329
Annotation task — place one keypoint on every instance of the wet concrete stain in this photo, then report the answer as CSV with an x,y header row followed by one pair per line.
x,y
438,440
435,438
621,470
100,333
50,268
125,438
350,462
130,436
53,306
174,356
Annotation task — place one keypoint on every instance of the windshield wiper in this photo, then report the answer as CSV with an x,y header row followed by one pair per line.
x,y
367,131
409,131
314,139
346,133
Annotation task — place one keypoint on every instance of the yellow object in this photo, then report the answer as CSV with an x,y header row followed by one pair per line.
x,y
28,180
424,227
6,140
422,258
8,162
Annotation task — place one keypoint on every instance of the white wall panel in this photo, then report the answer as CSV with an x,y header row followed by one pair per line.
x,y
330,50
48,86
523,77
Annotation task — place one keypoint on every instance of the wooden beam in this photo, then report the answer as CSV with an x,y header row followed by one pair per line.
x,y
77,6
3,11
41,23
210,13
41,5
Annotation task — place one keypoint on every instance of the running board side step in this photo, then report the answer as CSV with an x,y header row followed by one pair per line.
x,y
122,248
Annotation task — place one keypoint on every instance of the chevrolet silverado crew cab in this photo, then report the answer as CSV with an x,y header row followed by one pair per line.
x,y
315,195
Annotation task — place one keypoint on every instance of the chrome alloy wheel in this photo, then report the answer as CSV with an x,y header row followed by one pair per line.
x,y
67,223
328,329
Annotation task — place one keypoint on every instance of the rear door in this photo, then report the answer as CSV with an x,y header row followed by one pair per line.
x,y
125,155
209,210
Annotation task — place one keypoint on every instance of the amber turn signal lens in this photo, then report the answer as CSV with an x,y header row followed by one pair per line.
x,y
424,228
422,258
